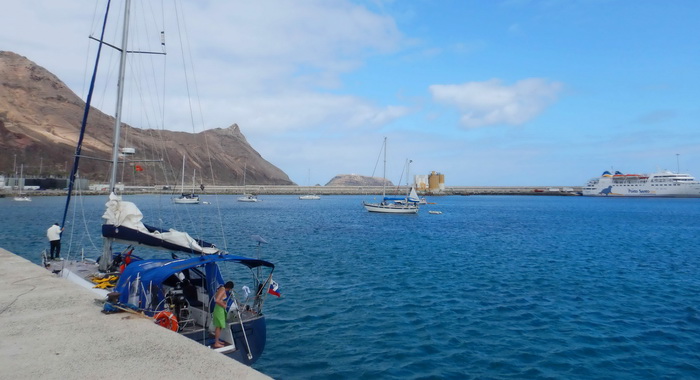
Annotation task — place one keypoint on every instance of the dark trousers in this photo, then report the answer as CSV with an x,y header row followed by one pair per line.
x,y
55,247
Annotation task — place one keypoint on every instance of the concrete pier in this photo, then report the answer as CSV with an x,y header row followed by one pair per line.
x,y
53,329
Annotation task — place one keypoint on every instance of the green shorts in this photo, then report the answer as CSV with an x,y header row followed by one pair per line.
x,y
219,316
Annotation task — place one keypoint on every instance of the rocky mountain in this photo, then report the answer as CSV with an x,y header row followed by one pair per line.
x,y
40,121
357,180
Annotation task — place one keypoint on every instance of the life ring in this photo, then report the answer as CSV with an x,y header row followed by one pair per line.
x,y
167,320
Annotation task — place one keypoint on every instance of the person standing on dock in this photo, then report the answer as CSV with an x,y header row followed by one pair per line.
x,y
54,235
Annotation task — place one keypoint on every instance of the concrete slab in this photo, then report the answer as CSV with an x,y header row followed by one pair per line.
x,y
51,328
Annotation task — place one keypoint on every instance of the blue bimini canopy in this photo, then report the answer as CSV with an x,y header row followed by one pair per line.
x,y
152,273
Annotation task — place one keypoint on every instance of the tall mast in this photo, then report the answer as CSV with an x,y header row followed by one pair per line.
x,y
408,175
182,180
120,95
194,175
384,182
20,182
106,258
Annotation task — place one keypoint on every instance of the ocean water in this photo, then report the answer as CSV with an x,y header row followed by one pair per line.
x,y
496,287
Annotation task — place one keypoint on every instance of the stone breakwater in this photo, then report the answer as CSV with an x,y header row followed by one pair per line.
x,y
340,190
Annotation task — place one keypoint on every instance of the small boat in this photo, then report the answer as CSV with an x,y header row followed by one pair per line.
x,y
309,196
184,198
434,212
20,196
187,199
407,204
247,197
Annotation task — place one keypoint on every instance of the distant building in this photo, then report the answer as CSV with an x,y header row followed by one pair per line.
x,y
436,182
421,182
56,183
433,182
41,183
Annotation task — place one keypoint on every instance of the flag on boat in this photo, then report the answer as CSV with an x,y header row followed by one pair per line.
x,y
274,289
138,168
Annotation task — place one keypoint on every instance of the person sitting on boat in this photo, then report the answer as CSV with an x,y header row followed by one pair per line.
x,y
219,314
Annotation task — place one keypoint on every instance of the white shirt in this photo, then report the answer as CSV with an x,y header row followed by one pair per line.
x,y
54,233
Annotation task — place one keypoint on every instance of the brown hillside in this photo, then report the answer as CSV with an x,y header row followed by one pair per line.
x,y
358,180
40,121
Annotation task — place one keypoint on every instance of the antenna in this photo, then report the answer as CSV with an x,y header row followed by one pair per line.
x,y
259,239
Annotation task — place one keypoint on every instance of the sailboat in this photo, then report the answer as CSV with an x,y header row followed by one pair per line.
x,y
407,204
309,196
176,292
185,198
246,197
20,185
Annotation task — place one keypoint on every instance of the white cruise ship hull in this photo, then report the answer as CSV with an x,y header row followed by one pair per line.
x,y
661,184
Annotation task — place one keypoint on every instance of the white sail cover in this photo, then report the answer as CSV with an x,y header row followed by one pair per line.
x,y
413,196
121,213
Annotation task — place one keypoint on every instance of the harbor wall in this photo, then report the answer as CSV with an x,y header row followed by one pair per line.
x,y
345,190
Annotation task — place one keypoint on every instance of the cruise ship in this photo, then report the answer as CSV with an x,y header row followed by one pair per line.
x,y
661,184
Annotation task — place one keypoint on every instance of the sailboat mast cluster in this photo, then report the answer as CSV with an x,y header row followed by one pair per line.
x,y
176,292
407,204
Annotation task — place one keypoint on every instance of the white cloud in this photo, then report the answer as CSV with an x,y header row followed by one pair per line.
x,y
304,111
492,103
275,65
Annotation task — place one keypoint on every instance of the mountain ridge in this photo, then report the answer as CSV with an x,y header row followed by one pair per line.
x,y
358,180
40,121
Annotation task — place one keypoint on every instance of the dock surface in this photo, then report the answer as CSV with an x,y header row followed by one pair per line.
x,y
51,328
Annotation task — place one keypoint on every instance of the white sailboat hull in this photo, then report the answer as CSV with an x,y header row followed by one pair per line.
x,y
186,201
248,198
391,208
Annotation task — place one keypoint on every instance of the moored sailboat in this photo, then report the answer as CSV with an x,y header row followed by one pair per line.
x,y
178,293
247,197
309,197
407,204
187,198
21,197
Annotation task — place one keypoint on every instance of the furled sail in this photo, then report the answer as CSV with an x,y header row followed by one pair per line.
x,y
413,196
122,221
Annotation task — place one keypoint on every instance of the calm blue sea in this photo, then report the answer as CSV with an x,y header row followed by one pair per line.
x,y
496,287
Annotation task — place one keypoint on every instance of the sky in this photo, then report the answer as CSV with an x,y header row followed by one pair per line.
x,y
486,92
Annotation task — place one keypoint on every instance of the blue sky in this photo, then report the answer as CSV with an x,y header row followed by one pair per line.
x,y
490,93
